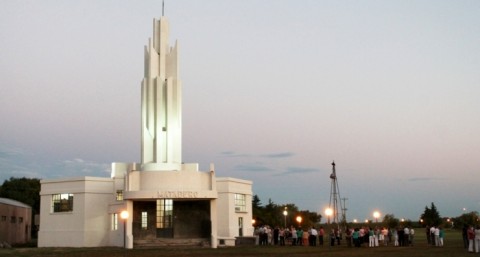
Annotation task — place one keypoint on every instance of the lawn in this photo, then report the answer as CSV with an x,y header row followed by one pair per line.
x,y
453,248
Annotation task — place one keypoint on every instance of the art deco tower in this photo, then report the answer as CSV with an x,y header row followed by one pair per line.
x,y
161,103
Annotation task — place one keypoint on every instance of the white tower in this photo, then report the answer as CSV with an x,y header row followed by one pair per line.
x,y
161,103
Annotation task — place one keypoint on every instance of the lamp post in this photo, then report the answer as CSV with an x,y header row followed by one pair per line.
x,y
285,213
299,220
376,215
124,216
329,213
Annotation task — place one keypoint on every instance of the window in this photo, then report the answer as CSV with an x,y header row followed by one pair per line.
x,y
240,203
13,219
4,218
144,220
115,221
119,195
62,202
20,219
164,213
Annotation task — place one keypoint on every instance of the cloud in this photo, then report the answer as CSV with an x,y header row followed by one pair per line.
x,y
298,170
416,179
268,155
233,154
80,167
278,155
17,163
252,167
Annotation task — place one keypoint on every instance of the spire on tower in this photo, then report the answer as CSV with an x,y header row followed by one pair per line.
x,y
163,8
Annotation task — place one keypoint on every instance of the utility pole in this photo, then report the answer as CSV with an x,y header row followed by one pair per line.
x,y
344,212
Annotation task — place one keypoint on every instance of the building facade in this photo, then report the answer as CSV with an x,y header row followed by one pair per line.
x,y
15,222
168,202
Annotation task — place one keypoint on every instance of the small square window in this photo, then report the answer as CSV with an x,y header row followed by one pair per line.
x,y
119,195
62,202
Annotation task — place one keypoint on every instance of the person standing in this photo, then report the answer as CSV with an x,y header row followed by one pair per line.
x,y
427,232
412,235
332,237
477,239
465,236
276,232
437,236
471,237
385,236
356,237
395,237
348,237
299,236
371,238
432,235
305,237
281,235
406,236
321,234
294,236
314,234
440,236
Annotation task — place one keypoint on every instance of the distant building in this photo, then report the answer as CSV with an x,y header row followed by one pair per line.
x,y
15,222
169,202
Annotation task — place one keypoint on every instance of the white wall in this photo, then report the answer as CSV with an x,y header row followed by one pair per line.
x,y
89,222
228,217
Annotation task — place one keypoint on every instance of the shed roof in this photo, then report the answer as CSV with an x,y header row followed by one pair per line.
x,y
14,203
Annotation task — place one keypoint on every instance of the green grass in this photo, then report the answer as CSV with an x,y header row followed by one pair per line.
x,y
453,248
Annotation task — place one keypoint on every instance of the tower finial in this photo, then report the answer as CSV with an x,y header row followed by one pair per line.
x,y
163,8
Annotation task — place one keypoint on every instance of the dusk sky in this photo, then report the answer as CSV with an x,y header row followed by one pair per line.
x,y
273,92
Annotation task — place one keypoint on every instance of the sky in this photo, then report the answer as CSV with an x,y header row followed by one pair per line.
x,y
273,92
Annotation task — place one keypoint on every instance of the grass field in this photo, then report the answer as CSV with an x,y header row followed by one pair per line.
x,y
453,248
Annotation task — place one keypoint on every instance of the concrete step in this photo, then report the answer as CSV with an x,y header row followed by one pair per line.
x,y
163,242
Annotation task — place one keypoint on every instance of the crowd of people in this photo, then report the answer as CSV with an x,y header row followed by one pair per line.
x,y
471,238
371,237
364,235
435,235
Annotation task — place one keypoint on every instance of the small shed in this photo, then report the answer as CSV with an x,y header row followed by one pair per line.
x,y
15,222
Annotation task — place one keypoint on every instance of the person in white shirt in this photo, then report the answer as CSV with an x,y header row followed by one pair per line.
x,y
437,236
406,236
412,234
477,239
313,236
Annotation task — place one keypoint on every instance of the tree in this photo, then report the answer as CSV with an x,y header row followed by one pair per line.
x,y
430,216
390,221
272,214
25,190
469,219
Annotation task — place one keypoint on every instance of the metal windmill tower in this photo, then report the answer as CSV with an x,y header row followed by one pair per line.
x,y
335,198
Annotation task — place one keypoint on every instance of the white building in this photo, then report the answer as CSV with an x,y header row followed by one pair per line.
x,y
168,202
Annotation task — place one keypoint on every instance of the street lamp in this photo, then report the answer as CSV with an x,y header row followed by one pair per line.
x,y
285,213
329,213
376,215
124,216
299,220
